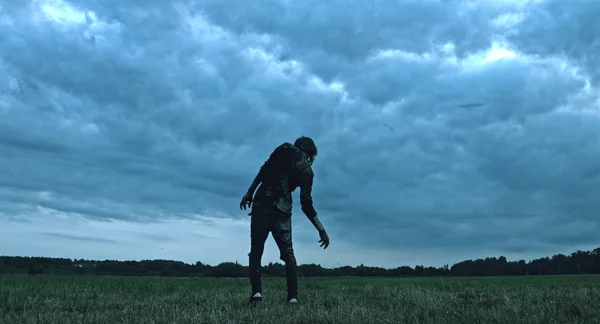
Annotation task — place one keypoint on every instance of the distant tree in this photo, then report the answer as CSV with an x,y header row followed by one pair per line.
x,y
579,262
228,270
34,269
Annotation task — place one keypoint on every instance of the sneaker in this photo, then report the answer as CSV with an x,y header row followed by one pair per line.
x,y
293,301
255,299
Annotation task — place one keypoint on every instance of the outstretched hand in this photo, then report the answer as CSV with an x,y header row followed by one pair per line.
x,y
246,201
324,239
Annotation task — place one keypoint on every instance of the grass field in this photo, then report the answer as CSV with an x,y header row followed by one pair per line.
x,y
79,299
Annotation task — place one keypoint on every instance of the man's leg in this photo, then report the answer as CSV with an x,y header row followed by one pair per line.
x,y
283,237
259,231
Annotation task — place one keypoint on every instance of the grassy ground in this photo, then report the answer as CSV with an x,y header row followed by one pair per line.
x,y
78,299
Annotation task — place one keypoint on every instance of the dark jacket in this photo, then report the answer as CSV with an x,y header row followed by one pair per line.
x,y
286,169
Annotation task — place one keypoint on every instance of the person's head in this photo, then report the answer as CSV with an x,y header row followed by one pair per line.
x,y
307,145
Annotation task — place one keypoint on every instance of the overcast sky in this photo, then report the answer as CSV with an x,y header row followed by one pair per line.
x,y
447,130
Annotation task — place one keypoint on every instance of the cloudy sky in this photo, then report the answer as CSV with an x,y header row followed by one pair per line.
x,y
447,129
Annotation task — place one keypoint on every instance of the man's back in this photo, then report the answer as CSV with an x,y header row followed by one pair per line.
x,y
286,169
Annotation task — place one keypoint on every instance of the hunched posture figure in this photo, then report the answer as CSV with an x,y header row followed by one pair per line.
x,y
288,167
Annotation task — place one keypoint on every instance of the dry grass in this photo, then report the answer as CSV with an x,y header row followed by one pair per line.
x,y
79,299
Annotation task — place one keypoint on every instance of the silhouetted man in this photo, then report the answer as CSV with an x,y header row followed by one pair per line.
x,y
288,167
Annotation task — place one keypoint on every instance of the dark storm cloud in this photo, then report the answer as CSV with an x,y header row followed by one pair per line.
x,y
154,109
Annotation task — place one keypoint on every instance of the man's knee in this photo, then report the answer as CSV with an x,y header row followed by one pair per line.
x,y
255,253
287,255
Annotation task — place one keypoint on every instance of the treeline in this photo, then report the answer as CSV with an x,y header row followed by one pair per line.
x,y
580,262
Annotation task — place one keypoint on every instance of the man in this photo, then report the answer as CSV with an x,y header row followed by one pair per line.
x,y
288,167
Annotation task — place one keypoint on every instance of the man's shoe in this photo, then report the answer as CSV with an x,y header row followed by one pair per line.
x,y
255,299
293,301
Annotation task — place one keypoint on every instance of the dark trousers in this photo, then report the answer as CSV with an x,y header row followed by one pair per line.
x,y
261,224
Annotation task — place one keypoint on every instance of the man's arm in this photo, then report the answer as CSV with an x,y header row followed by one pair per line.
x,y
317,223
306,202
263,170
248,197
258,179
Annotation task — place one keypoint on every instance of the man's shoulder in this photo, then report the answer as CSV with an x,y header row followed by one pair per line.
x,y
302,166
286,145
283,147
298,160
288,150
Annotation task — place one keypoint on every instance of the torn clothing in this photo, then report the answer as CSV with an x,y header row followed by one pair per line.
x,y
286,169
263,223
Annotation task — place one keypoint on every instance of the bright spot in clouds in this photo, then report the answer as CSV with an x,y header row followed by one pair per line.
x,y
62,13
496,53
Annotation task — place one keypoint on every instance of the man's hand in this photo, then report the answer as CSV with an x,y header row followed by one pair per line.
x,y
246,201
324,239
322,233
